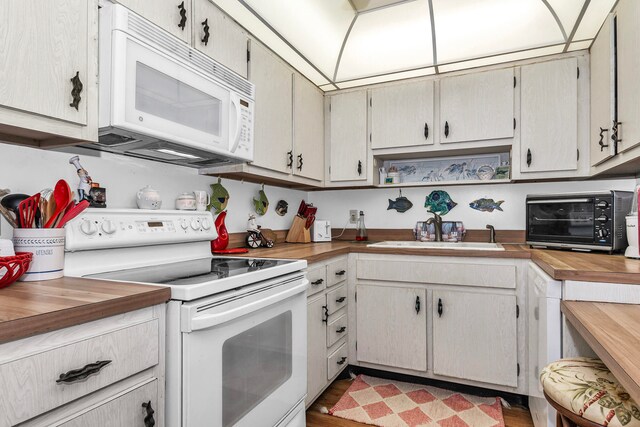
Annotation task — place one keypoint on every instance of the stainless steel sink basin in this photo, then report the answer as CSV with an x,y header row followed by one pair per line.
x,y
410,244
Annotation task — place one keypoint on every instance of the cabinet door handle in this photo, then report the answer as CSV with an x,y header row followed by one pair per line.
x,y
446,129
325,315
341,299
340,273
76,90
417,305
290,159
601,141
300,162
426,131
82,373
440,307
614,133
341,330
359,167
317,282
528,157
183,16
341,361
205,28
148,419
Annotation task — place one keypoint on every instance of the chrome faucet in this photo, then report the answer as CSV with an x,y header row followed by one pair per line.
x,y
492,233
437,221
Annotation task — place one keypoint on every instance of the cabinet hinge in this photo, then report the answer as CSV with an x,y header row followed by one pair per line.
x,y
514,81
329,107
356,296
518,365
514,123
578,156
370,102
517,311
370,136
578,72
248,55
356,345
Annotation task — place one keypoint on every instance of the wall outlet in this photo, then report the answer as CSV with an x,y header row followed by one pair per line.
x,y
353,216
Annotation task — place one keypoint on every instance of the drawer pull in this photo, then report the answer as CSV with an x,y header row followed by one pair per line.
x,y
325,317
148,419
341,361
317,282
340,273
341,330
440,307
341,299
81,374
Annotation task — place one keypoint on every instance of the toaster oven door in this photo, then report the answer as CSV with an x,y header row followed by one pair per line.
x,y
561,221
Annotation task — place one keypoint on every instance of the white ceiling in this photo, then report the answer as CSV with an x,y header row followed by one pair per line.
x,y
339,44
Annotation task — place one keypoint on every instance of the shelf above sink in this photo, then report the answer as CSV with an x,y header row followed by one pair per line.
x,y
412,244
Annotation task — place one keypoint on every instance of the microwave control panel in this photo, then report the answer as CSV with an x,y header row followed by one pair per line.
x,y
603,219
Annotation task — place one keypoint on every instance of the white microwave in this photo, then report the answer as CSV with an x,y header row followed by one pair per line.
x,y
161,99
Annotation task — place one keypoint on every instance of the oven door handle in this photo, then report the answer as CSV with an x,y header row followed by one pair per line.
x,y
209,320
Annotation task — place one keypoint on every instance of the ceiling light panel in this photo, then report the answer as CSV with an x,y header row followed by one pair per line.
x,y
567,12
499,59
315,27
388,40
467,29
365,5
387,78
593,18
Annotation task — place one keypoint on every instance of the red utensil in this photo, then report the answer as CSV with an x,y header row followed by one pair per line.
x,y
232,251
61,196
72,213
27,209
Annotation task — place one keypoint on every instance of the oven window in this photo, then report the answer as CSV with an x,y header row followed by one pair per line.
x,y
165,97
571,221
254,364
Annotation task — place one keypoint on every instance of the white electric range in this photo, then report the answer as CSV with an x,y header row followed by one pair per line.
x,y
236,327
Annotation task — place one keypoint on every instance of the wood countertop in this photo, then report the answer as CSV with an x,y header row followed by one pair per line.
x,y
560,265
613,332
30,308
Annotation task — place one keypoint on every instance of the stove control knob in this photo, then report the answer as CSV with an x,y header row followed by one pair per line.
x,y
602,233
184,224
195,224
88,227
206,224
109,227
602,204
603,218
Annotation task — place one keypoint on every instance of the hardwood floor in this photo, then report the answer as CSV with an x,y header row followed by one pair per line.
x,y
514,417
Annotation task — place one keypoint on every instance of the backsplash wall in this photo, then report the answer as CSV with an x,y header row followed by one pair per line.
x,y
28,170
335,205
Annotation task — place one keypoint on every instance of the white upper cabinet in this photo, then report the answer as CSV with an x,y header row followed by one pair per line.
x,y
219,37
308,122
602,93
48,71
402,115
549,116
273,110
476,107
628,42
171,15
348,136
475,336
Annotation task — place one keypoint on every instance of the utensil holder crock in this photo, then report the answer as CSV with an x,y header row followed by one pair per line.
x,y
47,246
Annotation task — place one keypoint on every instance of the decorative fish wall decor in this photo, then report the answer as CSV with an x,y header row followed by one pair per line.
x,y
486,205
439,202
219,197
261,204
400,204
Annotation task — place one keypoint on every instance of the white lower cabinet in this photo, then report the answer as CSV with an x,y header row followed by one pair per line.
x,y
392,326
475,336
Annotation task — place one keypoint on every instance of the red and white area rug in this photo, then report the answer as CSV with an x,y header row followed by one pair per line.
x,y
388,403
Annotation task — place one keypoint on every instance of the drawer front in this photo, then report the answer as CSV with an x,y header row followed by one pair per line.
x,y
29,384
441,273
337,360
336,272
336,299
336,329
317,280
124,410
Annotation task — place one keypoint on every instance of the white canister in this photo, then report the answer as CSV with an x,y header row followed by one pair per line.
x,y
186,202
47,246
6,248
633,250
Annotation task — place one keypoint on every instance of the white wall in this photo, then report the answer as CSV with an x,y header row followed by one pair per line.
x,y
334,205
28,170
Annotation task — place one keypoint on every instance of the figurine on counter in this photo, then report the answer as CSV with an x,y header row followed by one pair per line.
x,y
256,236
87,189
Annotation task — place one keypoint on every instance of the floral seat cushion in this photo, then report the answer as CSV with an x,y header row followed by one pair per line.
x,y
587,388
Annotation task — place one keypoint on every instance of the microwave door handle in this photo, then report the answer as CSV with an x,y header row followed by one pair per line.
x,y
236,137
535,202
209,320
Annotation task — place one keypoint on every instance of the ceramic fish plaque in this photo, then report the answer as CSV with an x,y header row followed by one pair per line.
x,y
261,204
282,207
486,205
439,202
219,197
400,204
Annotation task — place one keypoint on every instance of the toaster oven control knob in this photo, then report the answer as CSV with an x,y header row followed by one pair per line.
x,y
602,233
603,218
205,224
108,227
195,224
602,204
88,227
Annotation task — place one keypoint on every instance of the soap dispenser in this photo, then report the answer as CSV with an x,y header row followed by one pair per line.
x,y
361,230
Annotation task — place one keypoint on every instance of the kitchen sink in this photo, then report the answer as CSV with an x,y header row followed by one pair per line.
x,y
413,244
